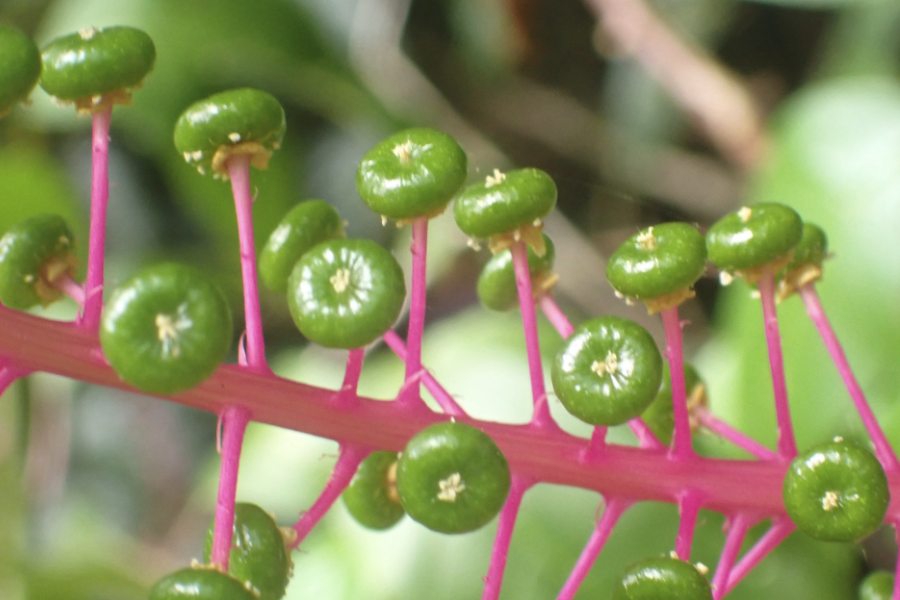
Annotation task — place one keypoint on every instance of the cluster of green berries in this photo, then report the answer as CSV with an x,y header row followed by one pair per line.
x,y
168,327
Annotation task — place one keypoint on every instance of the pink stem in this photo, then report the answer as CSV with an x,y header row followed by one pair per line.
x,y
443,398
646,438
780,529
614,510
417,299
682,447
70,288
556,316
347,464
239,173
355,357
93,286
688,508
8,376
787,446
505,526
726,431
541,416
597,444
739,527
814,309
234,425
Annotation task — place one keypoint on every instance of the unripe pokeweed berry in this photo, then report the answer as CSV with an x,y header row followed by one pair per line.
x,y
506,207
452,478
753,238
836,492
96,68
258,557
199,584
166,328
371,498
658,265
411,174
20,67
878,585
307,224
662,578
34,254
346,293
241,121
497,282
660,416
806,267
608,371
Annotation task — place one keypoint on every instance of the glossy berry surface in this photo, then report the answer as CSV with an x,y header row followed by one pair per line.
x,y
199,584
812,248
241,121
20,67
497,283
371,498
836,492
662,578
413,173
660,416
878,585
307,224
346,293
33,254
753,237
608,371
452,478
166,328
96,61
659,261
258,556
504,202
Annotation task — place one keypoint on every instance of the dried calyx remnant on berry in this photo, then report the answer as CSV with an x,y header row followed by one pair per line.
x,y
806,267
753,240
97,68
20,67
411,174
658,265
241,121
507,207
372,498
34,255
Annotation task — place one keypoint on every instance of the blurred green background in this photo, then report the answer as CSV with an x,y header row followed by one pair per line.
x,y
103,492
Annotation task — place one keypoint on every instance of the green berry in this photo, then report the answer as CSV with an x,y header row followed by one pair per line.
x,y
307,224
608,372
452,478
258,556
753,238
662,578
166,328
242,121
507,206
659,265
96,68
372,497
33,255
199,584
836,492
20,67
878,585
412,174
806,266
660,416
346,293
497,283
